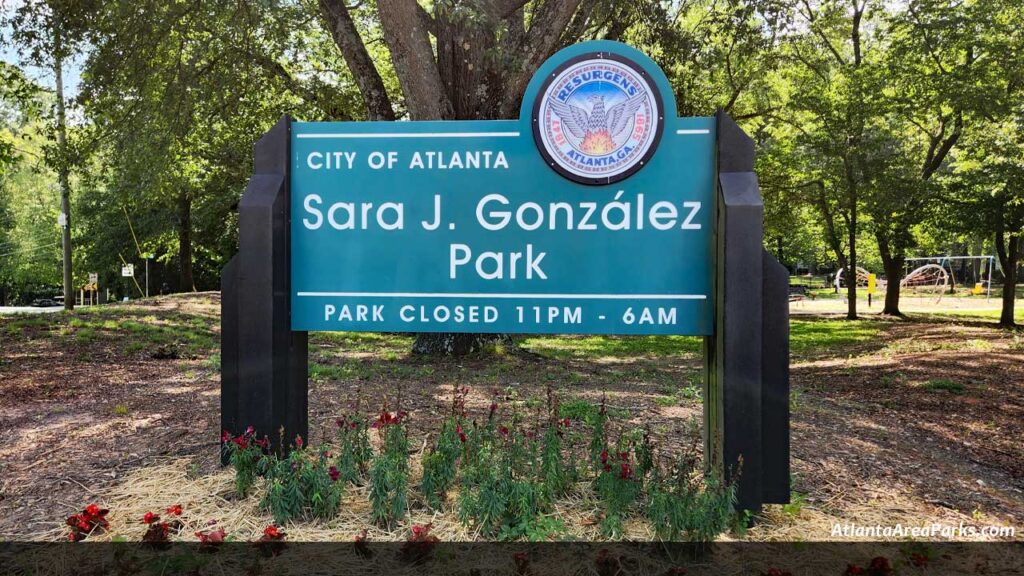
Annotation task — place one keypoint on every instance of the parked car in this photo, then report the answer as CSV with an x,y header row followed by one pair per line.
x,y
43,302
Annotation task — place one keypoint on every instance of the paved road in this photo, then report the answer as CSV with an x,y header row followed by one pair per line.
x,y
29,309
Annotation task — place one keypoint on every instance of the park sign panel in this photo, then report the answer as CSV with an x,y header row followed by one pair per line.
x,y
590,214
596,211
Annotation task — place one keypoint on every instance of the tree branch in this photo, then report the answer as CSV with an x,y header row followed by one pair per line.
x,y
546,27
413,56
343,30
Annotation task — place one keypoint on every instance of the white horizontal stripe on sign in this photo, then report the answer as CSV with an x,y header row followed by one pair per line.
x,y
505,296
414,135
701,131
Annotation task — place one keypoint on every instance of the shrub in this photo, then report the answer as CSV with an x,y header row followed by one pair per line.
x,y
389,470
354,450
439,465
688,505
303,485
245,453
618,487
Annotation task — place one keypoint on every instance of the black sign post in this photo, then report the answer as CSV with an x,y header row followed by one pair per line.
x,y
264,364
746,400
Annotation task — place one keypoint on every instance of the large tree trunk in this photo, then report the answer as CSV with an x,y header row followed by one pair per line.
x,y
892,262
1008,248
893,269
185,242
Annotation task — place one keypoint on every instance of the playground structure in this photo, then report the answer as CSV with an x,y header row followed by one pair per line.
x,y
933,274
863,278
928,278
936,273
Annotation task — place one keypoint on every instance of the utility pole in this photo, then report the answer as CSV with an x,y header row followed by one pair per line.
x,y
62,170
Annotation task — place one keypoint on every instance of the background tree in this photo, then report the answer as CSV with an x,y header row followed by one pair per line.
x,y
48,32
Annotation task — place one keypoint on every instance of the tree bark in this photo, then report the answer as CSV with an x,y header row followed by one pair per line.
x,y
892,263
851,270
371,86
413,57
830,229
546,27
185,242
62,172
1008,248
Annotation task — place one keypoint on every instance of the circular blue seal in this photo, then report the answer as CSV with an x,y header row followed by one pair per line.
x,y
598,118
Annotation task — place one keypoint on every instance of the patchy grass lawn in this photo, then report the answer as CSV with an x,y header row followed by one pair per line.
x,y
893,421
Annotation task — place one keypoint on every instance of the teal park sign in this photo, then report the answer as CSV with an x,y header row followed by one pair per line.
x,y
592,213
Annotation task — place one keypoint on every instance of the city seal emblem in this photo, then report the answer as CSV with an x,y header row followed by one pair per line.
x,y
598,118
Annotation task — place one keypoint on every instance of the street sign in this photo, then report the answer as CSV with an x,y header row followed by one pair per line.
x,y
62,219
93,277
128,270
592,213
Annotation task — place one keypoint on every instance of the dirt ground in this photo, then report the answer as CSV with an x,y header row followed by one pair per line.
x,y
914,422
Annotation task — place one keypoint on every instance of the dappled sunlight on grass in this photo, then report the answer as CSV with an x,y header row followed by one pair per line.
x,y
829,336
377,342
613,346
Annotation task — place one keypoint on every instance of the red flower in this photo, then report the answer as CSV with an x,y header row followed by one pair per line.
x,y
298,442
361,537
503,431
626,472
531,434
494,407
272,532
149,518
225,436
174,510
565,422
385,418
604,456
462,435
624,456
263,443
241,441
250,431
84,523
333,473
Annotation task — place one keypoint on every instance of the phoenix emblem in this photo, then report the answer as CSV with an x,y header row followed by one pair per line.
x,y
598,130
